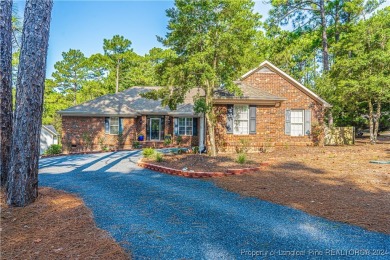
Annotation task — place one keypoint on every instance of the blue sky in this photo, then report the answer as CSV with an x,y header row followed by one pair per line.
x,y
84,24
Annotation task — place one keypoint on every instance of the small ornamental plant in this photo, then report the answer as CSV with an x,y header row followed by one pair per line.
x,y
159,157
241,158
148,152
53,149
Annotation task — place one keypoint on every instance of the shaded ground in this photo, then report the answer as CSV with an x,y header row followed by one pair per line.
x,y
57,226
160,216
338,183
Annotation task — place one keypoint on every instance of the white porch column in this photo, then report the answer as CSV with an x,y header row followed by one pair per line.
x,y
201,133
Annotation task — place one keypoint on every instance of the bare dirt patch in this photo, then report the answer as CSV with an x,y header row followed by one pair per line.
x,y
337,183
57,226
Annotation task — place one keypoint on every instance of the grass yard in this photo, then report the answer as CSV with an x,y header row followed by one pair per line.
x,y
57,226
337,183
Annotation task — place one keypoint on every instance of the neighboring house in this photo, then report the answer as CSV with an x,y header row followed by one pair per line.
x,y
274,109
49,136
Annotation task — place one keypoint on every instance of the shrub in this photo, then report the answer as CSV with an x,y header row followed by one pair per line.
x,y
241,158
179,140
195,149
159,157
148,152
54,149
243,147
180,151
317,134
103,145
87,140
167,141
136,144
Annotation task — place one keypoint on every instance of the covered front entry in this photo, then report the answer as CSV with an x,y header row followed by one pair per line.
x,y
155,129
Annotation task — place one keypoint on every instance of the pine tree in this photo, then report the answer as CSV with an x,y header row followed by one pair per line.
x,y
22,188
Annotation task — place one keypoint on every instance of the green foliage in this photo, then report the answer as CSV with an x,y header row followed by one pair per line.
x,y
179,140
317,134
195,149
167,140
210,39
200,105
159,157
359,81
70,73
53,149
136,144
148,152
243,147
241,158
121,139
78,79
103,145
87,140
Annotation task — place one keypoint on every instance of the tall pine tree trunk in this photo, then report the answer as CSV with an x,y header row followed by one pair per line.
x,y
117,78
5,87
371,121
75,93
377,118
210,120
23,176
325,52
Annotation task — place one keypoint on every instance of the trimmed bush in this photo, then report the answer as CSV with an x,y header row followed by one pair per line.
x,y
148,152
136,145
241,158
195,149
54,149
159,157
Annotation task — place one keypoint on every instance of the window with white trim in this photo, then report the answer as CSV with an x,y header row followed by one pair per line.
x,y
241,120
185,125
297,122
114,125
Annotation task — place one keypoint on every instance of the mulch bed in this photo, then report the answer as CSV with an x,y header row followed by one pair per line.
x,y
57,226
337,183
204,163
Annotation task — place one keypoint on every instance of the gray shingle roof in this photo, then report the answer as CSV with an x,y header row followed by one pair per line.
x,y
130,103
127,103
51,129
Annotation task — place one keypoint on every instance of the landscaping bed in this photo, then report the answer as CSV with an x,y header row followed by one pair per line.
x,y
338,183
205,163
57,226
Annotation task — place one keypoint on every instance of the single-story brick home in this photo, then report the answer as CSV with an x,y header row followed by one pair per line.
x,y
274,109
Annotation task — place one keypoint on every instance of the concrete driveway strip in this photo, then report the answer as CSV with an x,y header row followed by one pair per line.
x,y
159,216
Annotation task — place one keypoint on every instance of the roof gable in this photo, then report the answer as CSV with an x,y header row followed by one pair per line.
x,y
268,67
50,129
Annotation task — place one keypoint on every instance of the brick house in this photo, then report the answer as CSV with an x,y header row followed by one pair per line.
x,y
273,109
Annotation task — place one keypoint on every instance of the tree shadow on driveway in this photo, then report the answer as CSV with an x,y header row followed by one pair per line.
x,y
160,216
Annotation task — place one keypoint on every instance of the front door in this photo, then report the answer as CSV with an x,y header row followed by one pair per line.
x,y
155,124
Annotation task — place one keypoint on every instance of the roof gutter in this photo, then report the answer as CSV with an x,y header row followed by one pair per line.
x,y
96,114
47,129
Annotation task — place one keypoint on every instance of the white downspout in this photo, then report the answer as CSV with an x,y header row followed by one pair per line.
x,y
201,133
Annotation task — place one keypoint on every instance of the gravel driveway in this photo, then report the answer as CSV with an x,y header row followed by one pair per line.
x,y
159,216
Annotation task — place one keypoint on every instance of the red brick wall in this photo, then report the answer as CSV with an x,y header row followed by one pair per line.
x,y
270,121
76,131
